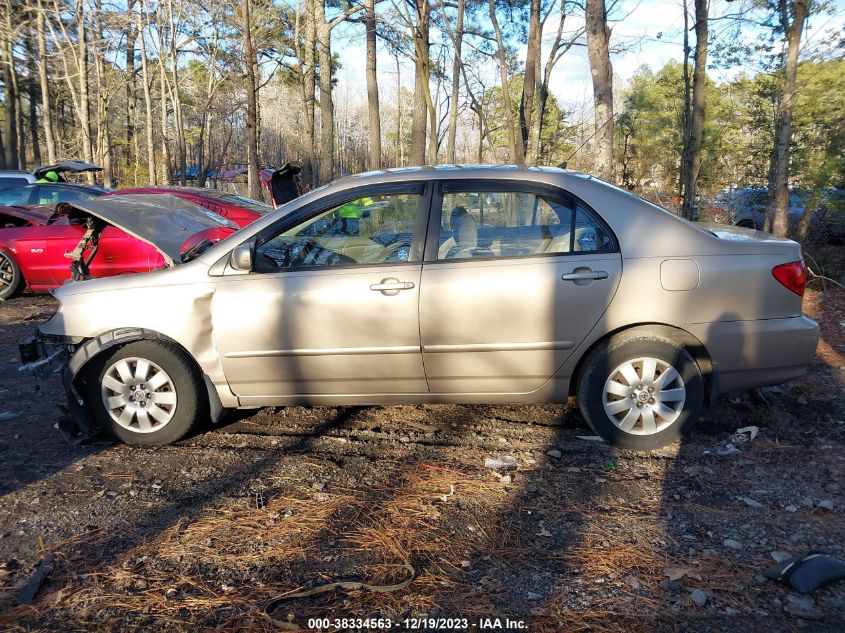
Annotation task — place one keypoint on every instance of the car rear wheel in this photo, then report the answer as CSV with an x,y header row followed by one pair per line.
x,y
640,391
146,392
11,279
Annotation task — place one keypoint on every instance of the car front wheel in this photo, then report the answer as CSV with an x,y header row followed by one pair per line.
x,y
146,392
640,391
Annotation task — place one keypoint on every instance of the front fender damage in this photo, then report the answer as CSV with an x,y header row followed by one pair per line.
x,y
68,357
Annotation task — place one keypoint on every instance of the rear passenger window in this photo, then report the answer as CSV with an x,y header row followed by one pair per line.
x,y
515,224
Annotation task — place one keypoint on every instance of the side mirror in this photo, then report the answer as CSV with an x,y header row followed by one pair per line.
x,y
241,258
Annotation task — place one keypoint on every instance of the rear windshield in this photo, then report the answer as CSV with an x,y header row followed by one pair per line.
x,y
240,201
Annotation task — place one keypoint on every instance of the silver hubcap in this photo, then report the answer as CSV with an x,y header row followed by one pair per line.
x,y
7,272
643,396
139,395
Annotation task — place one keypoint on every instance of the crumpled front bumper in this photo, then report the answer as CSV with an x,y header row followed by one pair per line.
x,y
43,353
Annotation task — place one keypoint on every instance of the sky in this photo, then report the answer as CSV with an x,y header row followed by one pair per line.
x,y
650,30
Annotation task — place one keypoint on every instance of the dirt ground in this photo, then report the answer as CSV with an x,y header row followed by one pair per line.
x,y
202,535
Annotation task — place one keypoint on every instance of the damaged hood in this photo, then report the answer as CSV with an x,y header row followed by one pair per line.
x,y
73,166
164,221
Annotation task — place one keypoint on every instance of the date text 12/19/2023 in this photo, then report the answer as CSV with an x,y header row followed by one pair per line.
x,y
418,624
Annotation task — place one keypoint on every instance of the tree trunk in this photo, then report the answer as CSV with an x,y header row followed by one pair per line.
x,y
84,96
103,130
253,179
10,130
205,163
692,153
44,81
811,205
400,143
422,72
516,148
779,173
176,97
148,108
529,79
456,84
374,147
324,53
32,97
687,102
598,50
309,86
165,149
131,90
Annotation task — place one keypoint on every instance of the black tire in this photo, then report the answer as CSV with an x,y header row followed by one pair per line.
x,y
191,405
601,364
11,278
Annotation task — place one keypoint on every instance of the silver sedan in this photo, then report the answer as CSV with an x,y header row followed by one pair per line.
x,y
449,284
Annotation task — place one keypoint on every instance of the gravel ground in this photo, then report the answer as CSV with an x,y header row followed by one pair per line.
x,y
578,537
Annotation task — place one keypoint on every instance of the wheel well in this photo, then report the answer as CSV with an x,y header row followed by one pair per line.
x,y
689,342
118,338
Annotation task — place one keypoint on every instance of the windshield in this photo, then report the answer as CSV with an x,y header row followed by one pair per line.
x,y
240,201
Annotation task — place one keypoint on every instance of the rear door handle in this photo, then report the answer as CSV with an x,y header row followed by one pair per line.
x,y
584,275
392,286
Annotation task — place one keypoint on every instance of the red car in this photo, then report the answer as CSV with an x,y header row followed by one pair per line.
x,y
238,209
37,244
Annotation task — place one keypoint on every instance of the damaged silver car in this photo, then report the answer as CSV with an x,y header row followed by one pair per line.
x,y
449,284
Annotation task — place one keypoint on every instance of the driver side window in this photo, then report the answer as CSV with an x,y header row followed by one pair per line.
x,y
369,229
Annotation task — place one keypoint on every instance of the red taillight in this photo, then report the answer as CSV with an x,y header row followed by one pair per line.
x,y
792,275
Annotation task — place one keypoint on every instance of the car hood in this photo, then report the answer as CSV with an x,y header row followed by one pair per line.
x,y
164,221
73,166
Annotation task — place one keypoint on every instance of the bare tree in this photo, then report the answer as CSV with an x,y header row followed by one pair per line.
x,y
104,148
44,82
253,179
557,50
456,81
517,154
694,119
175,91
531,75
305,44
598,50
32,97
374,145
324,28
84,93
148,105
131,90
10,83
420,25
792,16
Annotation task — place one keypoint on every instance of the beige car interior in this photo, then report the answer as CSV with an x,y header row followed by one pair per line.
x,y
463,243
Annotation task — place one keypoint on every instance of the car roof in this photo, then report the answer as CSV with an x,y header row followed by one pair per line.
x,y
13,173
549,175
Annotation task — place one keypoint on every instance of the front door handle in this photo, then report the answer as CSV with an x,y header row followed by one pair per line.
x,y
391,286
584,275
